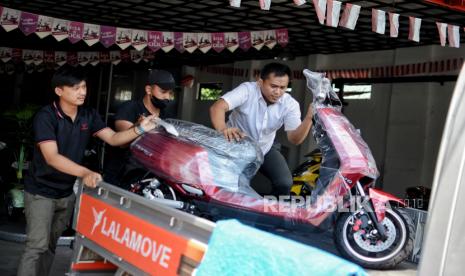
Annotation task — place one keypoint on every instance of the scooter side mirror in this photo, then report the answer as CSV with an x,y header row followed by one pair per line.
x,y
2,145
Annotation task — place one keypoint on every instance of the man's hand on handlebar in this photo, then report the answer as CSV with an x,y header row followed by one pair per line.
x,y
91,179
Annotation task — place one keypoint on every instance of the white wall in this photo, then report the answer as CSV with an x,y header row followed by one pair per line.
x,y
402,122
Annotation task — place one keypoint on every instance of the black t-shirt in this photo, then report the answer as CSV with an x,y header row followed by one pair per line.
x,y
118,160
52,124
132,110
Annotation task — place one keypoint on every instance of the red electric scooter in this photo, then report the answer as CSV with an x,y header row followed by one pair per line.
x,y
202,173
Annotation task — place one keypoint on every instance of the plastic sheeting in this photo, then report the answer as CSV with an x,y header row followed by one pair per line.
x,y
199,156
203,158
345,154
236,249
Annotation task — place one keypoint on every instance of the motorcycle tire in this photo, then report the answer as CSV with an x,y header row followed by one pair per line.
x,y
13,213
383,255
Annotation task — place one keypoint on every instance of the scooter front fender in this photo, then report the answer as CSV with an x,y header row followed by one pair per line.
x,y
380,200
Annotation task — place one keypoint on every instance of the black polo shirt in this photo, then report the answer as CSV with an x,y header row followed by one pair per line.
x,y
118,160
52,124
131,111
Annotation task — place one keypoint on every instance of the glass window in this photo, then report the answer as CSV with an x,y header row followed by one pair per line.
x,y
210,91
355,91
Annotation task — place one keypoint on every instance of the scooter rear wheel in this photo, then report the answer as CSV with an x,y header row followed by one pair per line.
x,y
372,253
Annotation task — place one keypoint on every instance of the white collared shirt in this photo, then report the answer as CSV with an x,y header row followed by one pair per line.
x,y
258,120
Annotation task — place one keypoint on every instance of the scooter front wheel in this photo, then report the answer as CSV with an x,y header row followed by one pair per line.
x,y
362,245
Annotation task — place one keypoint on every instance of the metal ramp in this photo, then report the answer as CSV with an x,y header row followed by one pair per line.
x,y
121,233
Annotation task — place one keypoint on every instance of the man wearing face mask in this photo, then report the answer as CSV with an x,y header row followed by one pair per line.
x,y
156,101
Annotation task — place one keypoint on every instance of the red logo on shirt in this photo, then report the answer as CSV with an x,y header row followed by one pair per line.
x,y
84,126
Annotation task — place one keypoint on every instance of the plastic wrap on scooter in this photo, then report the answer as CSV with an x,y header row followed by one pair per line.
x,y
199,156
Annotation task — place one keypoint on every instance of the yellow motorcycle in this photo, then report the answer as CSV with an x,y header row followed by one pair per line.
x,y
304,177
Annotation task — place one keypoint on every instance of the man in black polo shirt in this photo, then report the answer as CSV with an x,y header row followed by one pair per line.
x,y
62,131
156,101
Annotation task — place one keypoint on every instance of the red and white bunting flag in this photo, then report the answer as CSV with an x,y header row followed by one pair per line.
x,y
283,37
71,58
378,21
442,30
83,58
94,58
38,57
28,56
394,24
270,38
10,19
320,8
218,42
299,2
44,26
453,33
136,56
60,29
6,54
333,11
139,39
28,22
235,3
414,28
179,42
123,37
49,56
104,57
115,57
148,54
350,16
75,32
231,40
167,43
205,42
91,34
190,42
265,4
258,39
60,58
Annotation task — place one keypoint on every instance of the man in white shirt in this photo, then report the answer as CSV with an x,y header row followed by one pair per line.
x,y
259,110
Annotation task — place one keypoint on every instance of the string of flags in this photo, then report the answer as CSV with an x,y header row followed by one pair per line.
x,y
411,69
58,58
61,29
329,13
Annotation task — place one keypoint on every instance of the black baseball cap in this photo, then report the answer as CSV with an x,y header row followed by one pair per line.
x,y
162,78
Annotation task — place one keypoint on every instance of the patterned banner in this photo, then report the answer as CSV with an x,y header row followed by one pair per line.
x,y
231,41
91,34
139,39
258,39
28,23
190,42
179,42
283,37
60,29
44,26
154,40
167,42
270,38
10,19
123,37
218,42
107,36
76,30
245,41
